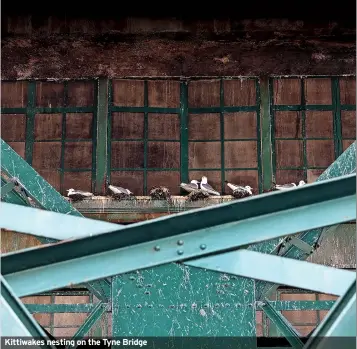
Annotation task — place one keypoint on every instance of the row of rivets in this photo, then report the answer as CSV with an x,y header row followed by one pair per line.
x,y
194,306
180,243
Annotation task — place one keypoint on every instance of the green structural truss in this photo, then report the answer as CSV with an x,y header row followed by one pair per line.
x,y
200,273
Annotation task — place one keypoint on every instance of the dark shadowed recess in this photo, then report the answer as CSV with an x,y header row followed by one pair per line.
x,y
316,10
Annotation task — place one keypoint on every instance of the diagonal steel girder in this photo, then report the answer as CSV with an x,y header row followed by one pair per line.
x,y
338,329
13,197
345,164
51,224
12,165
290,272
204,231
283,325
16,321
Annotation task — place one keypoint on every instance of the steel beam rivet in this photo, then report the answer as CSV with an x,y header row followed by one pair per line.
x,y
180,252
180,242
157,248
203,247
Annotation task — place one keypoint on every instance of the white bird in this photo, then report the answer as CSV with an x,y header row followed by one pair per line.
x,y
76,195
206,187
289,186
119,190
240,191
190,187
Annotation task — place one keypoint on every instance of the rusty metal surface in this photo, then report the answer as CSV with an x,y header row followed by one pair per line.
x,y
79,48
338,249
61,58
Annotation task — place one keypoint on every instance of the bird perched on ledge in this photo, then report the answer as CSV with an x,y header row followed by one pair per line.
x,y
288,186
190,187
194,190
78,195
206,187
160,193
119,193
240,192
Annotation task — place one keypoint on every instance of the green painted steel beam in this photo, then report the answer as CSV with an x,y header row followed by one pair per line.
x,y
36,186
51,224
60,308
101,139
302,305
91,320
184,120
45,196
266,132
344,165
16,321
7,188
88,307
203,231
261,266
339,326
13,197
282,324
30,121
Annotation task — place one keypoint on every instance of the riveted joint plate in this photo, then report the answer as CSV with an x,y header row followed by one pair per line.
x,y
301,245
179,300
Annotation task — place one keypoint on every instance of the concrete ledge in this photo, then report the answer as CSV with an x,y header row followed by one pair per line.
x,y
141,208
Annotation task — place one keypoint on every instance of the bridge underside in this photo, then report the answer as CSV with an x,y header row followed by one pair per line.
x,y
200,273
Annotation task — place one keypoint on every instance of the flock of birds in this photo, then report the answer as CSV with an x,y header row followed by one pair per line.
x,y
197,190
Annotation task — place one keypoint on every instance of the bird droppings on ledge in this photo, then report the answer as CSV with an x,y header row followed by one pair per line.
x,y
147,202
142,208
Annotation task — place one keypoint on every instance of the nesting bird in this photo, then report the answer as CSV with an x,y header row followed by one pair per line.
x,y
197,195
190,187
288,186
206,187
119,193
240,192
77,195
160,193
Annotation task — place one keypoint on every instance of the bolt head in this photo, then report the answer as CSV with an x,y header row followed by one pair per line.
x,y
157,248
180,252
180,242
203,247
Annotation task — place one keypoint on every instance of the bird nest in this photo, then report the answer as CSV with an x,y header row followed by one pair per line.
x,y
240,194
160,193
122,196
197,195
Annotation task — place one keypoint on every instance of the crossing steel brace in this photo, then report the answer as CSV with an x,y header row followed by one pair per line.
x,y
203,231
44,196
